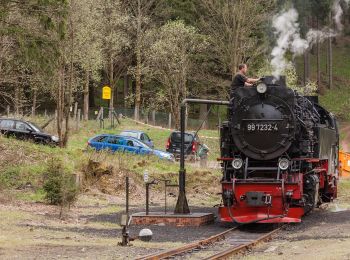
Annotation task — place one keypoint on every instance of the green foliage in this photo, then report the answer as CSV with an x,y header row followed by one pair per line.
x,y
186,10
59,185
292,80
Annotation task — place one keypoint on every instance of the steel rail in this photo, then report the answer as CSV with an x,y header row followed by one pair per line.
x,y
188,247
234,250
215,238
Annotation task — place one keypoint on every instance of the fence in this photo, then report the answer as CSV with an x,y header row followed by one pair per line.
x,y
160,119
155,118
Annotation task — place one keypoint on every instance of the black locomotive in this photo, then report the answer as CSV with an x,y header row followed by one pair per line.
x,y
279,153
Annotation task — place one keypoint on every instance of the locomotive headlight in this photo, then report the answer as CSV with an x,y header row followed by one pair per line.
x,y
261,88
283,164
237,163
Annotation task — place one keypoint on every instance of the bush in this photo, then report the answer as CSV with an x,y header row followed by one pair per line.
x,y
59,185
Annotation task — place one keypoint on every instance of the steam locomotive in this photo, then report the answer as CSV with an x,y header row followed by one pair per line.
x,y
279,155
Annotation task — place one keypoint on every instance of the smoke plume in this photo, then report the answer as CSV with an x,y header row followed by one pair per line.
x,y
338,12
287,31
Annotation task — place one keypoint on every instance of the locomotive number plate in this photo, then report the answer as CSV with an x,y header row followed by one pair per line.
x,y
261,127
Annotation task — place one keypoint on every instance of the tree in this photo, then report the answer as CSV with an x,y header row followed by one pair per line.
x,y
237,32
89,43
170,61
27,52
116,42
140,12
185,10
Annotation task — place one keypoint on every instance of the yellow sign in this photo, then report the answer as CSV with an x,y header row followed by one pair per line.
x,y
106,92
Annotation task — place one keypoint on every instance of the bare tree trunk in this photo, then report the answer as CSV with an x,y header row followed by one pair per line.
x,y
306,66
236,58
111,83
60,103
203,111
86,96
70,85
138,63
176,114
318,46
35,91
330,58
17,100
126,88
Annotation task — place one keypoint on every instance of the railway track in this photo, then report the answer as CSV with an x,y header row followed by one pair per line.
x,y
220,246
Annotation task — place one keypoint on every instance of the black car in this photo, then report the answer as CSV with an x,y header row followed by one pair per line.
x,y
192,145
24,130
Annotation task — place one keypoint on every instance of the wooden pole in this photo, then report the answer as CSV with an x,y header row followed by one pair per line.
x,y
78,118
154,117
169,122
75,111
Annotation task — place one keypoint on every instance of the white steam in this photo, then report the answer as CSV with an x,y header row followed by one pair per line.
x,y
338,13
287,31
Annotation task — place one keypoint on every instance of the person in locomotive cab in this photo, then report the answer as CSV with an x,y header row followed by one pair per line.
x,y
241,79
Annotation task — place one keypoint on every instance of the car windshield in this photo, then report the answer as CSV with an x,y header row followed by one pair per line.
x,y
131,134
176,137
35,127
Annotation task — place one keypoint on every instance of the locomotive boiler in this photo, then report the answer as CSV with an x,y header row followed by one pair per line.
x,y
279,153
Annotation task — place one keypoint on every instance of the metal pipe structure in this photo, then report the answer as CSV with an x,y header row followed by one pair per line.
x,y
182,205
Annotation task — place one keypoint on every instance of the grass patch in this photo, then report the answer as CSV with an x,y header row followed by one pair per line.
x,y
26,163
31,196
337,99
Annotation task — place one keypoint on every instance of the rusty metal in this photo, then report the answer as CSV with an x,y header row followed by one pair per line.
x,y
234,250
148,184
208,241
188,247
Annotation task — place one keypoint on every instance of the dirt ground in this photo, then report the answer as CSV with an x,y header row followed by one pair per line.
x,y
323,234
90,230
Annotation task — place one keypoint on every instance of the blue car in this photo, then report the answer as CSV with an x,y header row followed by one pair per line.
x,y
140,135
119,143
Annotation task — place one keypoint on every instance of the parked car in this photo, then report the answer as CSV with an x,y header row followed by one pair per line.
x,y
192,145
140,135
119,143
25,130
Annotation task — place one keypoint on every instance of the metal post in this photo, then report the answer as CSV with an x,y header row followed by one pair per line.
x,y
165,205
182,204
147,198
125,230
148,184
8,111
127,196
